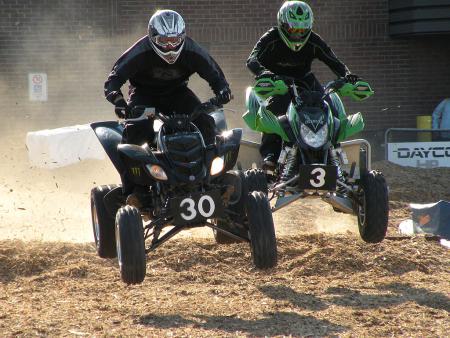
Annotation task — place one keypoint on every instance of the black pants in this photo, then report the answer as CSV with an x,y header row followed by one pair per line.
x,y
180,101
278,105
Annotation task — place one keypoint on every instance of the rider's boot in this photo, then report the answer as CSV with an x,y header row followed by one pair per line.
x,y
138,198
134,200
336,161
269,164
291,164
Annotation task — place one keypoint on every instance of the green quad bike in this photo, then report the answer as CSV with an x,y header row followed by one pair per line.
x,y
315,160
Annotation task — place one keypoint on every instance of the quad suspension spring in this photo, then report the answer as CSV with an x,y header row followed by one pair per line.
x,y
291,165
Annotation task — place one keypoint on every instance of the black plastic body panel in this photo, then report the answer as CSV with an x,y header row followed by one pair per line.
x,y
109,134
228,146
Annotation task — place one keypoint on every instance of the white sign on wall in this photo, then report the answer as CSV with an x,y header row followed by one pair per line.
x,y
37,87
420,154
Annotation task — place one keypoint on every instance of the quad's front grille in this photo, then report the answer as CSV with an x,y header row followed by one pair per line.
x,y
186,152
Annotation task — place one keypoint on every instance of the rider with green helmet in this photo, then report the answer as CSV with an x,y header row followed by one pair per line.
x,y
289,50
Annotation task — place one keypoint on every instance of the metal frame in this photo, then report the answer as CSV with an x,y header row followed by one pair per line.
x,y
368,149
350,142
388,131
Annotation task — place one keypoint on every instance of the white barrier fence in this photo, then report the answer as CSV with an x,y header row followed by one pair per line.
x,y
432,154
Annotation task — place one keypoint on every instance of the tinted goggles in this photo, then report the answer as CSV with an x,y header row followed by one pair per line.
x,y
169,42
296,33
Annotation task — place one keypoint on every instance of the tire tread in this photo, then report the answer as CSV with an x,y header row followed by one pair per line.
x,y
132,245
377,214
262,231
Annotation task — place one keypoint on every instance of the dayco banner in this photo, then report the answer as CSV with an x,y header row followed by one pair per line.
x,y
420,154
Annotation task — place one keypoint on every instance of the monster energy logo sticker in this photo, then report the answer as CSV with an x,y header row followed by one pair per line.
x,y
136,171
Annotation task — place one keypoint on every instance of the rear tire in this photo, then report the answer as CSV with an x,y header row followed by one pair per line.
x,y
373,212
130,245
263,241
256,180
103,223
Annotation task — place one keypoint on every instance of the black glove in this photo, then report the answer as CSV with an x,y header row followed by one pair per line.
x,y
352,78
266,74
224,95
122,109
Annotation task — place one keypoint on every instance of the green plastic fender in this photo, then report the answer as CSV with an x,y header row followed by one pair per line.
x,y
350,126
259,118
337,103
253,102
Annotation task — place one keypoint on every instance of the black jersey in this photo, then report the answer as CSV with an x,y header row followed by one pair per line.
x,y
271,53
149,73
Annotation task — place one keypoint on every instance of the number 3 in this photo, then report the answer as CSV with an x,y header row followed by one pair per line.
x,y
318,180
190,208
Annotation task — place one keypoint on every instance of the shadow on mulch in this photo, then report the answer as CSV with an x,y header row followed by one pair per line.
x,y
276,324
299,300
398,293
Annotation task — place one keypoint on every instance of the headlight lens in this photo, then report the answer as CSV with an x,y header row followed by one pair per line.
x,y
157,172
217,166
315,140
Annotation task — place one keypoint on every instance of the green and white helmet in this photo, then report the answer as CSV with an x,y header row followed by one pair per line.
x,y
295,21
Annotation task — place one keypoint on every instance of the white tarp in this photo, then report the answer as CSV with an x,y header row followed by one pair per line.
x,y
53,148
420,154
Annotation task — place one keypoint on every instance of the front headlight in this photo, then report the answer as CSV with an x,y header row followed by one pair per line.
x,y
157,172
217,166
315,140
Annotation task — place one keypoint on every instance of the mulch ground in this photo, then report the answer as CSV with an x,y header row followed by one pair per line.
x,y
324,285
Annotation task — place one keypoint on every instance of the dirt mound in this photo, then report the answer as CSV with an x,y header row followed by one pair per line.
x,y
414,185
324,285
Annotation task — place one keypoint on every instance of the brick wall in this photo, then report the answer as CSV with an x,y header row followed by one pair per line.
x,y
77,42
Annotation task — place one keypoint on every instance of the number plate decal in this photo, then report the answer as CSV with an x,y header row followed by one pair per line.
x,y
196,208
318,177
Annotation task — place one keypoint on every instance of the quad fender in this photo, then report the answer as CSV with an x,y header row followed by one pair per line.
x,y
350,126
338,106
228,146
220,120
135,158
253,102
259,118
137,153
109,134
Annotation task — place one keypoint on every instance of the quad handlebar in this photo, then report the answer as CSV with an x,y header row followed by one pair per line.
x,y
328,89
143,112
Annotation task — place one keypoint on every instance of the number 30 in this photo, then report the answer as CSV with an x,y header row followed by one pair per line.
x,y
191,207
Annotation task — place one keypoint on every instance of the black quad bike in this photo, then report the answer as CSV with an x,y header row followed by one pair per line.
x,y
180,182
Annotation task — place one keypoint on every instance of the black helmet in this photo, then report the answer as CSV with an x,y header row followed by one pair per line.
x,y
167,33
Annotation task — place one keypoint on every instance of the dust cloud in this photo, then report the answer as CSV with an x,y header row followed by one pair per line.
x,y
54,205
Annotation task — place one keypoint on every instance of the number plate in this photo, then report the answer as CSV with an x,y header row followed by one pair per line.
x,y
196,208
318,177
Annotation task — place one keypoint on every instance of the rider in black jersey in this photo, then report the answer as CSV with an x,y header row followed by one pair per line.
x,y
158,68
289,50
